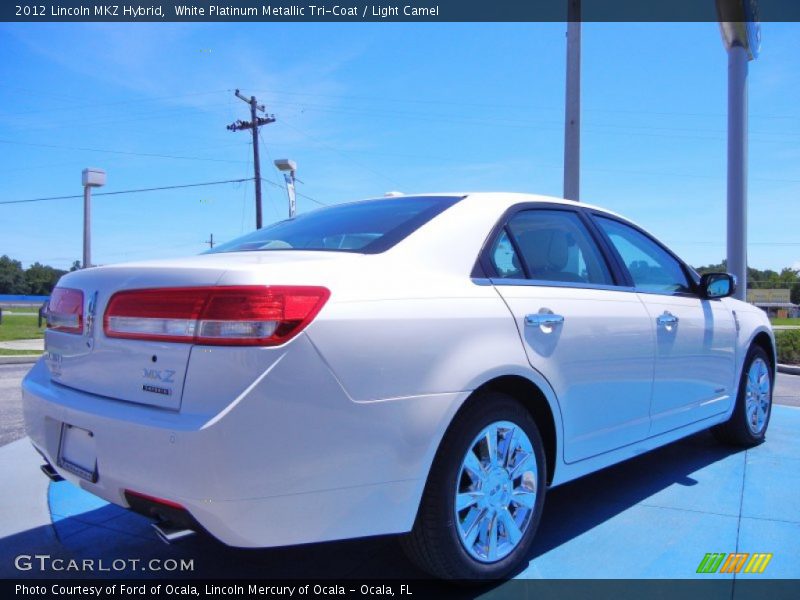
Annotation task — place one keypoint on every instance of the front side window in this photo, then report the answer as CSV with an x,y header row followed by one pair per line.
x,y
370,226
652,268
554,246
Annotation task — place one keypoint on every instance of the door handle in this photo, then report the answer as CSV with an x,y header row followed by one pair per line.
x,y
543,320
667,320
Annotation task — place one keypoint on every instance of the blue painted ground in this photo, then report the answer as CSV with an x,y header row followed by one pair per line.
x,y
652,517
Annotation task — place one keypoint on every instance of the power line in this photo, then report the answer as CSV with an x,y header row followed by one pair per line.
x,y
114,103
385,99
489,121
153,189
299,194
161,188
339,152
123,152
494,106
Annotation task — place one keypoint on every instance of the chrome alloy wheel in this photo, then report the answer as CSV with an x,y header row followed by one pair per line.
x,y
758,398
496,491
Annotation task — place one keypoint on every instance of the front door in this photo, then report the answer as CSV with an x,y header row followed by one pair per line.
x,y
695,338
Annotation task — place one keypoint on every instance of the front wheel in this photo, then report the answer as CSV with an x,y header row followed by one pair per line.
x,y
748,423
485,492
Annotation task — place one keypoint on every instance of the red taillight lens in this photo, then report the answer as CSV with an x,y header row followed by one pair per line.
x,y
236,316
65,310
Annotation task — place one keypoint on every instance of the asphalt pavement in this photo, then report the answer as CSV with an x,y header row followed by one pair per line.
x,y
11,423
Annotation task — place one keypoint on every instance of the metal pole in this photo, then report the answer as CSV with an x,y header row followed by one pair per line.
x,y
256,160
572,115
737,167
87,226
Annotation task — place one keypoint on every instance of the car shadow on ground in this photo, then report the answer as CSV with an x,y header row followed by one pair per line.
x,y
110,532
574,508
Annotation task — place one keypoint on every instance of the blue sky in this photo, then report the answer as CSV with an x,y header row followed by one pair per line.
x,y
370,107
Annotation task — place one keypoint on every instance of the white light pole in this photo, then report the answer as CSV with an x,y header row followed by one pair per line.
x,y
90,177
741,35
289,169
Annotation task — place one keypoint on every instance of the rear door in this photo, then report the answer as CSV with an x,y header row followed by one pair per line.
x,y
695,337
589,336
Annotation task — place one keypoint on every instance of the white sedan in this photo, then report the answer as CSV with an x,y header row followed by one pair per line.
x,y
421,365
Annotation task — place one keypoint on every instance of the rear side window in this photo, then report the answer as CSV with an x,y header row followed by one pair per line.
x,y
368,227
505,258
549,245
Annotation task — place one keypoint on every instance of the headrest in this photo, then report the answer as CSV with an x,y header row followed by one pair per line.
x,y
545,249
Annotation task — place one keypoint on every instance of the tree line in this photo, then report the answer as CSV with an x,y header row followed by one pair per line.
x,y
36,280
765,280
39,279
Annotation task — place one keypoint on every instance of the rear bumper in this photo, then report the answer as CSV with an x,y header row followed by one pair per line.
x,y
289,460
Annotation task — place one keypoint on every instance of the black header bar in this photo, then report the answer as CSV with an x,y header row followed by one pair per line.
x,y
337,11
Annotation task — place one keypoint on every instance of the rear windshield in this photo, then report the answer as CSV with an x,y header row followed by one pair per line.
x,y
369,227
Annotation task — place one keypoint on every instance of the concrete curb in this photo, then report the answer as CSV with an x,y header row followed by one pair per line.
x,y
19,359
789,369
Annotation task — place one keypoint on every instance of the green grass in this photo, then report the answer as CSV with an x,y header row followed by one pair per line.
x,y
786,322
7,352
20,327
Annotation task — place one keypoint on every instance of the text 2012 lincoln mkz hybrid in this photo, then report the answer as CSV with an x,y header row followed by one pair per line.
x,y
419,365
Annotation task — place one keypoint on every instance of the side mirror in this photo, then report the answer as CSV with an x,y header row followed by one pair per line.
x,y
717,285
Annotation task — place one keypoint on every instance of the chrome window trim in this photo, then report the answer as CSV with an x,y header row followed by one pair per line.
x,y
484,268
560,284
486,281
595,215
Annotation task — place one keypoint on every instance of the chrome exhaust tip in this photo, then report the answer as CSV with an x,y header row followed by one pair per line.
x,y
48,470
169,533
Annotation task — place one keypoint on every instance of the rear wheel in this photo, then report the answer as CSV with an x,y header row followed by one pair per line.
x,y
748,423
484,495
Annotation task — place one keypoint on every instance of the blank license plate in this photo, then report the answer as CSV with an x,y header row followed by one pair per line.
x,y
77,452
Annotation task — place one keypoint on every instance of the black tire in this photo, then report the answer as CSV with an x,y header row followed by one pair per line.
x,y
736,430
434,543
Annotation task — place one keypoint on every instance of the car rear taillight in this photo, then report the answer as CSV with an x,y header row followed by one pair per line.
x,y
222,316
65,310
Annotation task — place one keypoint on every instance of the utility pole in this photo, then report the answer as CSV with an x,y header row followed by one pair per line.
x,y
572,113
253,124
210,241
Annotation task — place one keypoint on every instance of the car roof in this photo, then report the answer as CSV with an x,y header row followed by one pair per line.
x,y
508,199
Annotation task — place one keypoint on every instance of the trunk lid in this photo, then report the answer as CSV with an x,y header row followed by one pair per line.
x,y
153,372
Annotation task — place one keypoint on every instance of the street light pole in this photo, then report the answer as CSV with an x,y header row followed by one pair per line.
x,y
289,169
90,177
741,34
737,167
87,226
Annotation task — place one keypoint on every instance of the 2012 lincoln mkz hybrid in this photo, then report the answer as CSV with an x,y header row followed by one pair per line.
x,y
419,365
